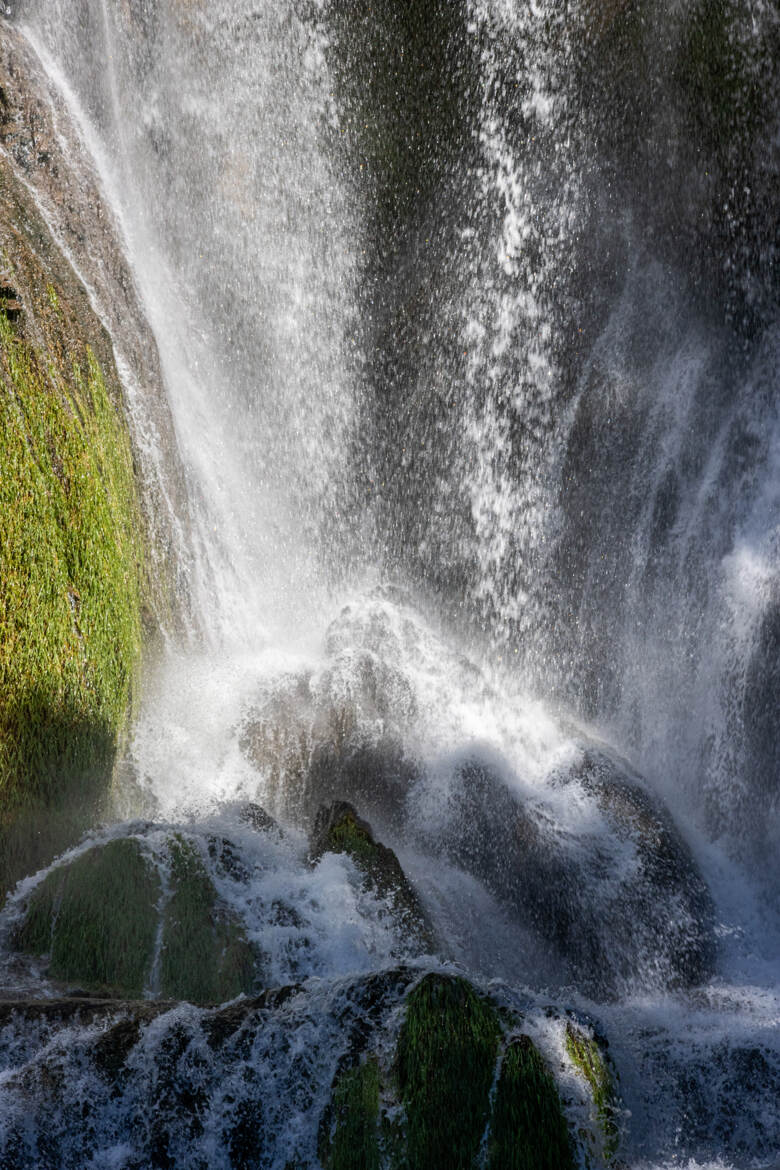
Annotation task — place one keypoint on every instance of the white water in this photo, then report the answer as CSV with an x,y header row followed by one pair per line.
x,y
214,130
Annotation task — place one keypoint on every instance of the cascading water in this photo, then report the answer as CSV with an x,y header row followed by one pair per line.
x,y
481,440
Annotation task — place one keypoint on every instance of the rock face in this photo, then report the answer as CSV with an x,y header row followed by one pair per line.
x,y
338,829
87,564
617,894
73,580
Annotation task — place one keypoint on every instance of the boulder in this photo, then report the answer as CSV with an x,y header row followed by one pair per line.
x,y
433,1103
97,919
205,954
613,887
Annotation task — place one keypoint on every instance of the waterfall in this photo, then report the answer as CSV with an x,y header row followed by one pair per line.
x,y
469,328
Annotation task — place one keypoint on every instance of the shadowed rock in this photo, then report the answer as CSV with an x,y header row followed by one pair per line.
x,y
338,829
615,891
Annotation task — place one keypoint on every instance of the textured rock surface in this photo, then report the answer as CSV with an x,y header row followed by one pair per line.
x,y
88,558
620,898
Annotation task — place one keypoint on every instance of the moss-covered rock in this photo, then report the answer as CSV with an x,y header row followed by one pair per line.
x,y
446,1060
338,829
72,552
97,919
462,1090
586,1056
206,957
349,1134
528,1130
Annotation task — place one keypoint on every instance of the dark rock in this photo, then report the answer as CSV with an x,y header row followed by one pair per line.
x,y
338,829
257,818
97,919
206,957
623,902
225,856
528,1128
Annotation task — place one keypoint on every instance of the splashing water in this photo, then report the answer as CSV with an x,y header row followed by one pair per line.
x,y
608,508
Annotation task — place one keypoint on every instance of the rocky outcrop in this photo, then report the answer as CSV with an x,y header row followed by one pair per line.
x,y
87,564
338,829
73,563
460,1083
45,152
437,1108
616,893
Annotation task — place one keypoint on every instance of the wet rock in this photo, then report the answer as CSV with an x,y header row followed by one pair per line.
x,y
431,1103
349,1130
188,1086
445,1062
257,818
206,957
338,829
587,1054
97,919
338,733
225,857
528,1127
613,889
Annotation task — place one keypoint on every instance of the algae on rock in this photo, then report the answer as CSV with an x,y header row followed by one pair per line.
x,y
338,829
463,1090
587,1057
349,1137
445,1064
72,552
97,919
528,1130
206,957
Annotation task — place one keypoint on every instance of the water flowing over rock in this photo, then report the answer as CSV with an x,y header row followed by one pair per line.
x,y
389,470
619,906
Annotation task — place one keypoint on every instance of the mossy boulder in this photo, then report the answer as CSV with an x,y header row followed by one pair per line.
x,y
349,1132
528,1130
338,829
206,957
459,1092
445,1065
96,919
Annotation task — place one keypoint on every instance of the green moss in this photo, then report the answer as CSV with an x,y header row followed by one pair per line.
x,y
347,836
206,957
350,1140
97,918
528,1130
586,1056
445,1064
70,593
